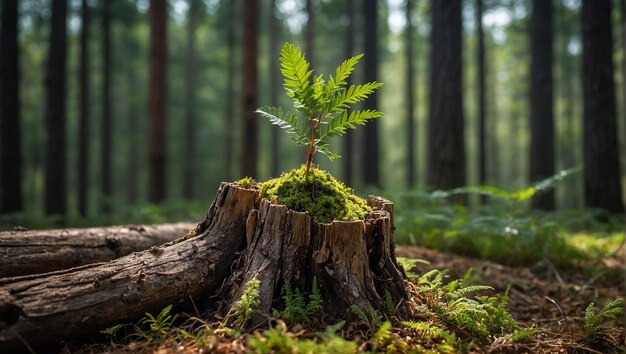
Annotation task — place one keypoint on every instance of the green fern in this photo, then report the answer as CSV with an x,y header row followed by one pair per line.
x,y
594,322
371,319
297,310
248,305
323,104
160,325
316,303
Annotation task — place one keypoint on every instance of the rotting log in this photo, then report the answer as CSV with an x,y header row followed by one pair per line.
x,y
243,237
41,251
353,261
39,309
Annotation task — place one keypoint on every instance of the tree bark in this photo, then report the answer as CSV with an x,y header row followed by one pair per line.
x,y
482,106
274,26
370,167
105,167
410,97
249,152
83,124
602,183
230,93
10,130
42,251
41,309
347,160
189,157
309,34
157,101
55,197
446,141
541,101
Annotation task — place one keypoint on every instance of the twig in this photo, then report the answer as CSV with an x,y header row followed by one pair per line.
x,y
561,311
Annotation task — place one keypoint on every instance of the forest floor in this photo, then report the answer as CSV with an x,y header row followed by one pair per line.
x,y
553,302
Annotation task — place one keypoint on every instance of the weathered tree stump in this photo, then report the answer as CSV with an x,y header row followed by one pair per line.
x,y
353,261
41,251
243,237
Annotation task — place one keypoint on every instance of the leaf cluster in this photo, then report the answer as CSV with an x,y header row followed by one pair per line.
x,y
297,309
324,105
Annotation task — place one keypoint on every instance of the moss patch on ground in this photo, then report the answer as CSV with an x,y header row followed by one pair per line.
x,y
319,194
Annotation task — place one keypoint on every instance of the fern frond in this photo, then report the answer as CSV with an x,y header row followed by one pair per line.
x,y
295,69
468,289
343,73
323,147
340,124
354,94
287,121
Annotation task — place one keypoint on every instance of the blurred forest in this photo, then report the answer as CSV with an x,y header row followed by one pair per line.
x,y
112,105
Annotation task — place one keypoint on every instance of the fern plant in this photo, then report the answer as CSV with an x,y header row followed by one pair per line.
x,y
323,105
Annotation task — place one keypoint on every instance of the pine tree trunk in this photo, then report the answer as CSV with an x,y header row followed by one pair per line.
x,y
55,198
250,142
189,157
541,104
410,98
230,93
243,237
84,126
157,101
42,251
482,107
446,141
274,86
348,159
10,130
370,167
105,167
602,183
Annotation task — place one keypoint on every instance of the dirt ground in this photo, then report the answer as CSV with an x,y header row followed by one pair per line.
x,y
553,299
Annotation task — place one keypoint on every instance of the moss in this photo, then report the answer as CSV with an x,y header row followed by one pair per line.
x,y
245,182
319,194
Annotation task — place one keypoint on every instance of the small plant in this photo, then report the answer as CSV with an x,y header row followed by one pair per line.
x,y
297,310
369,318
160,325
324,104
245,182
248,305
596,321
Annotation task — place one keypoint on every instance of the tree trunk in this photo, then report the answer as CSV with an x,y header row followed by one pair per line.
x,y
446,142
371,172
189,158
157,100
541,104
309,34
55,180
602,183
230,93
42,251
410,98
354,264
105,170
41,309
482,106
250,142
347,160
10,130
274,85
83,124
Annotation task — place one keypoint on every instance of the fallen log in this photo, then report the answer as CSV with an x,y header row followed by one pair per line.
x,y
41,251
43,308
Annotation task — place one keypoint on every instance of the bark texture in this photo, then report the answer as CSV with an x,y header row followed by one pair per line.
x,y
250,143
41,309
446,140
541,102
602,183
370,166
84,150
41,251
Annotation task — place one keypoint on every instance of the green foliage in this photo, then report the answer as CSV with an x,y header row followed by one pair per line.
x,y
113,330
596,321
161,325
323,104
523,334
319,194
248,305
245,182
446,341
370,318
297,310
278,340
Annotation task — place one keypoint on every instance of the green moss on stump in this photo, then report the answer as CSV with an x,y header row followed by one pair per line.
x,y
319,194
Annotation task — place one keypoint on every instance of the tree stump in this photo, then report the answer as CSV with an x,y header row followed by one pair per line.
x,y
243,237
353,261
